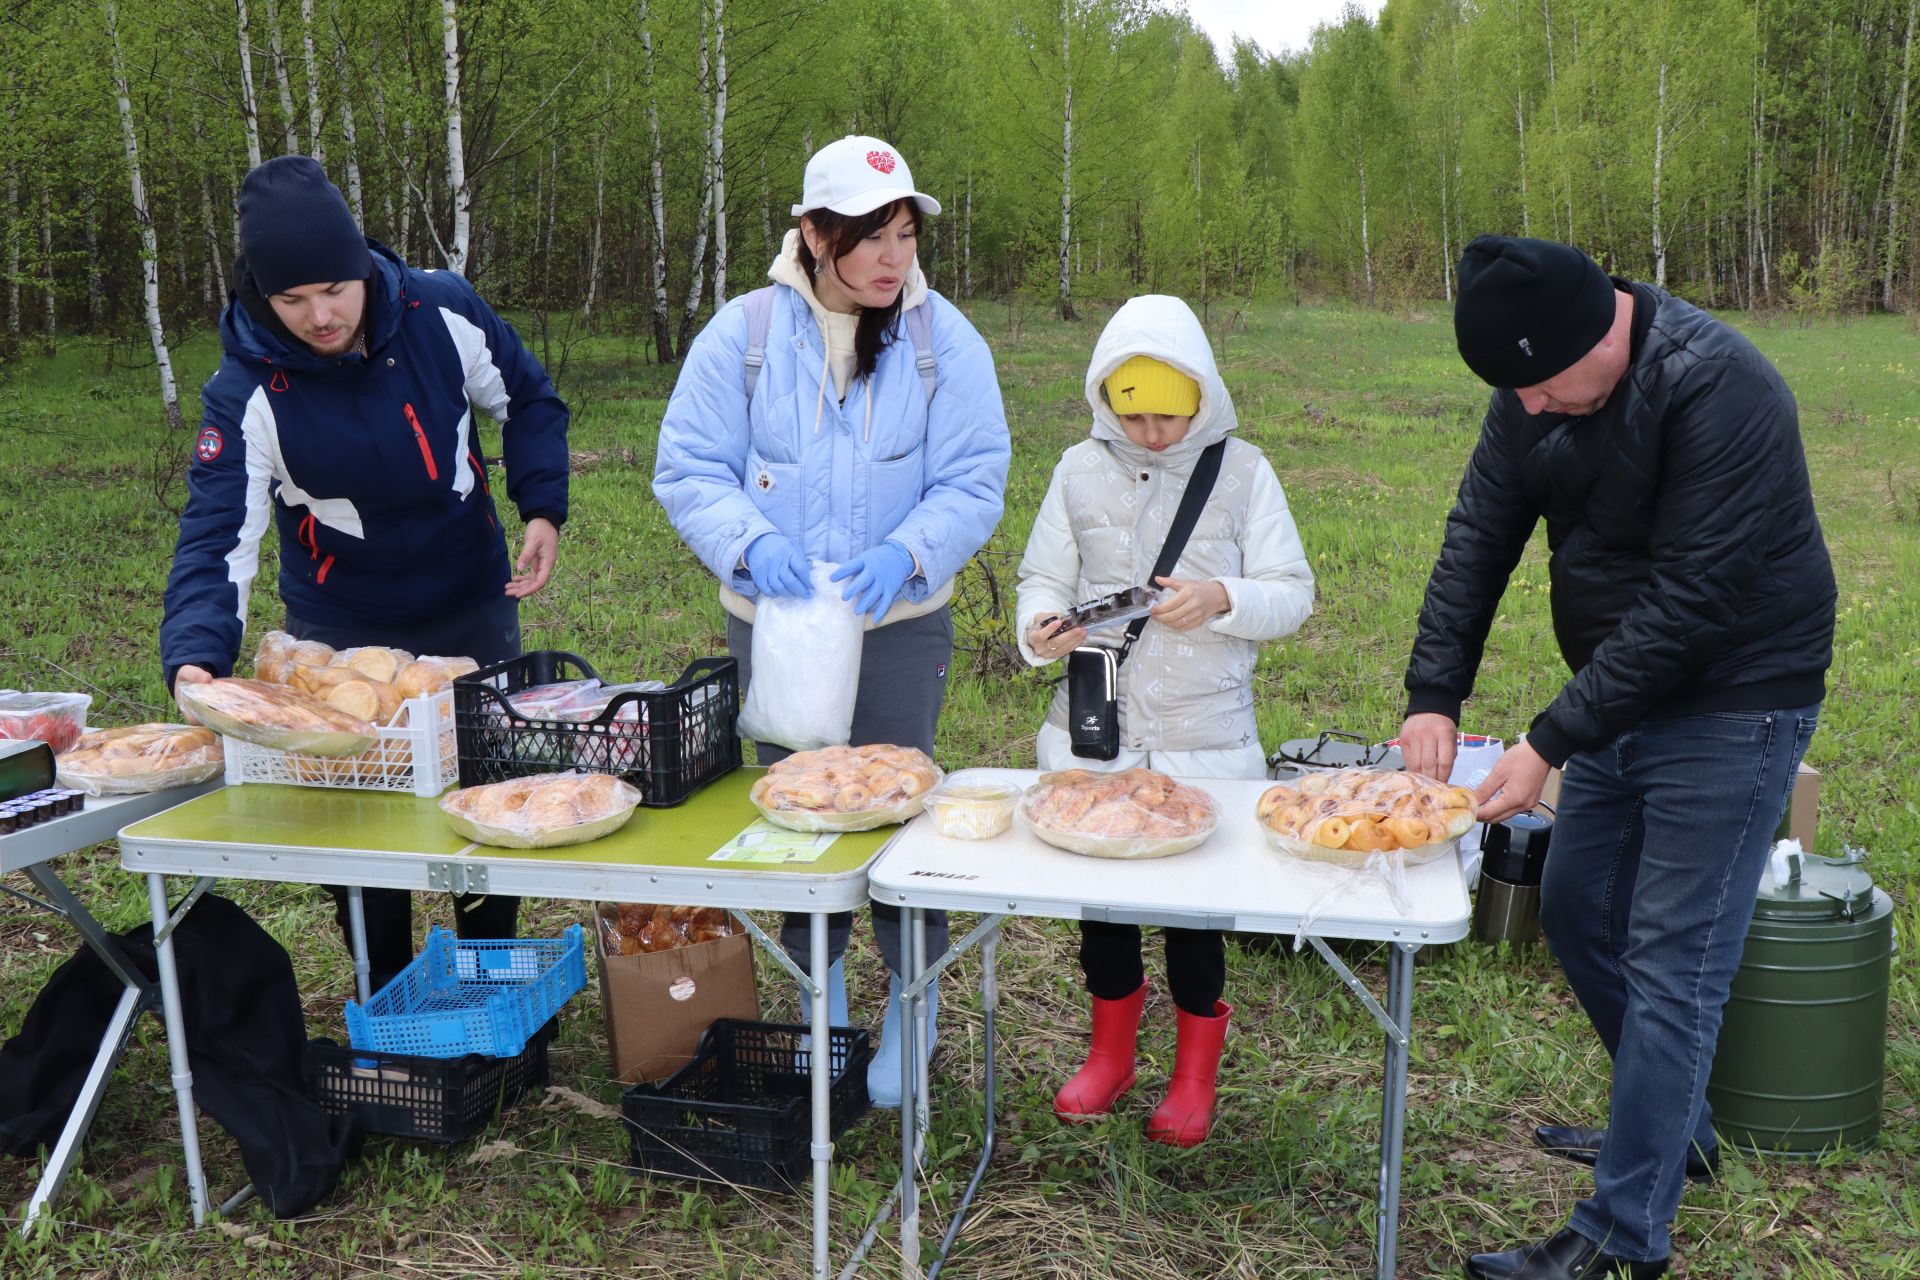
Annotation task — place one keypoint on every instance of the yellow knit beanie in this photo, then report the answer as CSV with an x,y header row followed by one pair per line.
x,y
1146,385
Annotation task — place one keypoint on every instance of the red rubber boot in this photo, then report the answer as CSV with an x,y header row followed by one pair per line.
x,y
1183,1119
1108,1072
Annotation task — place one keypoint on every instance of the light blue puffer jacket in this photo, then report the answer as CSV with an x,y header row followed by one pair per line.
x,y
930,476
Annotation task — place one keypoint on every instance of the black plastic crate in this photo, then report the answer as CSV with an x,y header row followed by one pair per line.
x,y
671,744
741,1111
432,1099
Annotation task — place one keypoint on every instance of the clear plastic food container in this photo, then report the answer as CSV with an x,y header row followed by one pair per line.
x,y
972,810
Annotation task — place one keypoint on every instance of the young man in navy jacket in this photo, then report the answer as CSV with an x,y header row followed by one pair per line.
x,y
343,411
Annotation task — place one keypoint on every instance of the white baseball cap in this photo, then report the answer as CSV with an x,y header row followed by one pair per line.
x,y
857,175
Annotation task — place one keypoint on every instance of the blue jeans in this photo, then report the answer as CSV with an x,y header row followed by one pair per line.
x,y
1658,847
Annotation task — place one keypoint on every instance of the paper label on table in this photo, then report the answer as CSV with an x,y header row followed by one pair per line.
x,y
765,843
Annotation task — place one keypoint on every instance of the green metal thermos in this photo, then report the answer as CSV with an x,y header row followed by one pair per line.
x,y
1802,1054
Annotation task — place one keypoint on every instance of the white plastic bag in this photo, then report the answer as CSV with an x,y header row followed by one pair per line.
x,y
1473,760
806,668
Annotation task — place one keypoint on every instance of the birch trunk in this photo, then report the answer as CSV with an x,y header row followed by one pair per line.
x,y
1520,123
348,132
966,244
1066,159
599,204
216,271
406,205
1366,240
1899,152
705,205
766,210
13,252
1446,242
249,105
662,324
49,318
553,216
281,80
1659,156
390,226
149,247
96,285
719,152
456,153
314,117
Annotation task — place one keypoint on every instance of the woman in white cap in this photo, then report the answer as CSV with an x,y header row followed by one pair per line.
x,y
850,415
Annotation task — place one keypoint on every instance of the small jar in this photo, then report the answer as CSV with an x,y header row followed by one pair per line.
x,y
972,810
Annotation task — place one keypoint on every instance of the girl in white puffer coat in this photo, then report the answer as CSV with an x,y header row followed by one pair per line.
x,y
1185,693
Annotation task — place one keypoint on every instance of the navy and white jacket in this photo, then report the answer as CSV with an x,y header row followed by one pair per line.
x,y
368,463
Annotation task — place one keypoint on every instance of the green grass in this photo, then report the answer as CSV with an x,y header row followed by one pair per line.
x,y
1368,418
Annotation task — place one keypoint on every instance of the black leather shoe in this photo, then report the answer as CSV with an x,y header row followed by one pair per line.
x,y
1567,1255
1582,1146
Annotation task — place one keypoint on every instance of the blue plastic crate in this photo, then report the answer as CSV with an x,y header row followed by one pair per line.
x,y
462,996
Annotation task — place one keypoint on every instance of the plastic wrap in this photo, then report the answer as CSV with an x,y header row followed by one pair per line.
x,y
805,675
639,928
274,655
972,810
1346,817
376,662
141,758
541,812
846,788
1137,813
268,715
57,719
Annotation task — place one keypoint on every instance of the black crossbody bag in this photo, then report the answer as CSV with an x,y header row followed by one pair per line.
x,y
1093,671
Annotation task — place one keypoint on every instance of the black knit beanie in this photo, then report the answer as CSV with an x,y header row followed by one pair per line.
x,y
1528,309
296,229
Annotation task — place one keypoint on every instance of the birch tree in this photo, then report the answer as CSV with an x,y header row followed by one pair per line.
x,y
149,245
656,193
315,147
456,253
719,145
1892,249
282,80
249,105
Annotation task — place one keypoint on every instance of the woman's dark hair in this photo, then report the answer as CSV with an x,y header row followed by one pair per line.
x,y
842,234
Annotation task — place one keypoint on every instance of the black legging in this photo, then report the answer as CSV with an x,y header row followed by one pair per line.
x,y
1196,964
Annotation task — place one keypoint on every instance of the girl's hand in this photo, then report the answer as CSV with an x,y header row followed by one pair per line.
x,y
1050,643
1191,604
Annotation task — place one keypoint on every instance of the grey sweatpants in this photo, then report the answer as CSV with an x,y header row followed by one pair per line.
x,y
903,678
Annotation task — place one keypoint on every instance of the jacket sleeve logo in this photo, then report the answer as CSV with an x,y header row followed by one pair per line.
x,y
209,445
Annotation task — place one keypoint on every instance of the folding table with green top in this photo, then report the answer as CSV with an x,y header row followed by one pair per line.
x,y
365,839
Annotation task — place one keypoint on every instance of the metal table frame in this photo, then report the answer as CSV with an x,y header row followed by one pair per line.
x,y
477,868
899,878
31,853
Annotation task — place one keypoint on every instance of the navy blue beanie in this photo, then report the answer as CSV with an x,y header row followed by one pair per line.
x,y
295,227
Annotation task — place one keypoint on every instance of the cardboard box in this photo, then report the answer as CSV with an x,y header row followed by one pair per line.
x,y
1800,821
1802,817
657,1005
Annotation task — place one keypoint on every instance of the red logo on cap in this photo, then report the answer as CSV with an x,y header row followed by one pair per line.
x,y
208,446
882,160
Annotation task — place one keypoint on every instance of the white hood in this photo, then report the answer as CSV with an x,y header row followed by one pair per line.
x,y
1166,329
786,269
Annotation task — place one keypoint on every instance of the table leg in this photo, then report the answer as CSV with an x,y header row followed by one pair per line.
x,y
66,1152
989,1003
177,1046
822,1062
912,927
357,925
1393,1106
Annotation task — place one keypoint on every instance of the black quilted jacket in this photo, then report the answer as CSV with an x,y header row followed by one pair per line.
x,y
1688,569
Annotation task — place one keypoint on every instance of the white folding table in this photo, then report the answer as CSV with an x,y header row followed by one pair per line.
x,y
1233,881
32,852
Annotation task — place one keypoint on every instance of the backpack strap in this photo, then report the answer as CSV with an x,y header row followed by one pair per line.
x,y
920,328
1199,488
759,321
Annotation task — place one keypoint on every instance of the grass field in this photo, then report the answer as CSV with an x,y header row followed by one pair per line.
x,y
1368,418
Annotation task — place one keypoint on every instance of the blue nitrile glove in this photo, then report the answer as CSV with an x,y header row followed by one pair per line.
x,y
878,577
778,567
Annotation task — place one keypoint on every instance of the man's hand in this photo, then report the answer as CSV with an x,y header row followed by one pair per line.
x,y
1516,781
1191,604
189,675
1427,743
538,552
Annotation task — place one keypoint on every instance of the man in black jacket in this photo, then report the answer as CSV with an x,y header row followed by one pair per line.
x,y
1694,602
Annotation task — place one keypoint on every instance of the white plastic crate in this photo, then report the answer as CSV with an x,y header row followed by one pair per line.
x,y
416,757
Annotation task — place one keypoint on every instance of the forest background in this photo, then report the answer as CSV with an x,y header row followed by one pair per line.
x,y
632,163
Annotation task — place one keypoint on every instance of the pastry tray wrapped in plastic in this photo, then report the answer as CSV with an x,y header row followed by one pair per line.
x,y
641,928
141,758
846,788
1345,817
1137,813
542,812
270,715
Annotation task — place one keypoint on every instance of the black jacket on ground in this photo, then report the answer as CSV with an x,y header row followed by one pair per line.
x,y
1688,569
